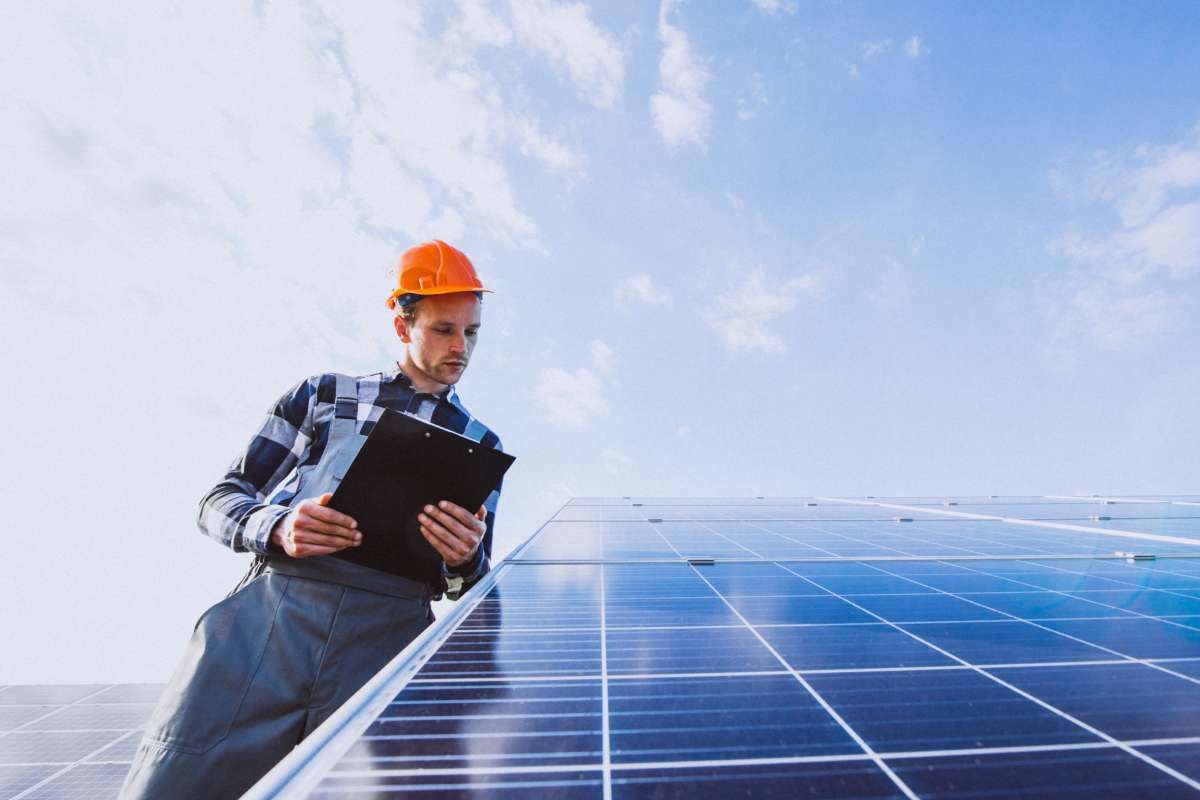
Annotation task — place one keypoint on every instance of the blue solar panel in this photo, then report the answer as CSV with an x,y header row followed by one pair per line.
x,y
660,538
885,647
1080,511
70,741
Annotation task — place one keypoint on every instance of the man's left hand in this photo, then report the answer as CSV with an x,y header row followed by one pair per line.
x,y
453,531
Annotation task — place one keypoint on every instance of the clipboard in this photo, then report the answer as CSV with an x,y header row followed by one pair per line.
x,y
404,465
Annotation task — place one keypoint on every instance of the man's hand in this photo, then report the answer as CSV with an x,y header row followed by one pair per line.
x,y
453,531
311,529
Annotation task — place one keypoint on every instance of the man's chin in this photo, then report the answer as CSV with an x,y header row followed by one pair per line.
x,y
451,376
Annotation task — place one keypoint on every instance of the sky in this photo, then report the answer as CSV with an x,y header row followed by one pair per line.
x,y
743,248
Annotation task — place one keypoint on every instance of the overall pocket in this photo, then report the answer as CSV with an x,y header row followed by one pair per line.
x,y
202,700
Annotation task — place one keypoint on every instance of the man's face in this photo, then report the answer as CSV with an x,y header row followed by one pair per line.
x,y
442,337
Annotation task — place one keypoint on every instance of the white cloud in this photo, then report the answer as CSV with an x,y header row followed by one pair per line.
x,y
574,398
752,99
205,199
773,7
912,47
464,159
680,110
548,150
1139,183
641,289
871,50
1119,321
571,399
300,116
570,41
603,357
1170,239
741,317
477,25
1127,287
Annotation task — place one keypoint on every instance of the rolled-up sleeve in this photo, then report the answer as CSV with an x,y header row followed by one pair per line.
x,y
235,512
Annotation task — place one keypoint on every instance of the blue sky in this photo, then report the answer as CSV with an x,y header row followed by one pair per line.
x,y
758,248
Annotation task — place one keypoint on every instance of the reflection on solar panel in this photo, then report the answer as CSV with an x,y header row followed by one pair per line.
x,y
799,647
70,741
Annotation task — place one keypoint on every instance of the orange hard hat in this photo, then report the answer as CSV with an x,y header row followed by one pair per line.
x,y
434,268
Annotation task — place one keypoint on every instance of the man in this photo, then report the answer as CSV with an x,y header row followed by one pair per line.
x,y
304,630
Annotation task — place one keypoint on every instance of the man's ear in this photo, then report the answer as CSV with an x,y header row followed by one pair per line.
x,y
402,329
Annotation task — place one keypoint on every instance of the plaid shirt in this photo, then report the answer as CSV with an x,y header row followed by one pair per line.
x,y
241,510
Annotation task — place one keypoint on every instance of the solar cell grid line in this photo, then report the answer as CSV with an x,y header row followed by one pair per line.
x,y
1083,594
772,541
1053,525
301,770
1157,619
1125,499
759,546
798,541
85,739
967,542
604,716
879,762
1194,545
985,673
1183,663
688,502
523,546
1027,542
1177,526
80,754
1060,633
918,544
1084,511
32,790
811,691
56,710
723,536
1118,580
930,540
899,551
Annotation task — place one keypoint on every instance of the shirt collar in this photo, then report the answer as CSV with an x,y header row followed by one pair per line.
x,y
396,375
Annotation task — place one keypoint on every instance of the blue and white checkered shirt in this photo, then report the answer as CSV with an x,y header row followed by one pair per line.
x,y
241,510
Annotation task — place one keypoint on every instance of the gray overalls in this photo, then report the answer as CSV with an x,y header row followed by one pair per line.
x,y
271,661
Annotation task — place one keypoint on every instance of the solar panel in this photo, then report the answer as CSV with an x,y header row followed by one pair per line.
x,y
781,647
70,741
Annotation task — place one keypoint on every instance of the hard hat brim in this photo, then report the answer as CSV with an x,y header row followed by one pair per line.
x,y
391,301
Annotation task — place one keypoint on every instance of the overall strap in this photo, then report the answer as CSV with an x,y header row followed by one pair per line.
x,y
340,450
343,428
346,405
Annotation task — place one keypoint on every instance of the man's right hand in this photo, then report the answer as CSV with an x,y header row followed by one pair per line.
x,y
312,529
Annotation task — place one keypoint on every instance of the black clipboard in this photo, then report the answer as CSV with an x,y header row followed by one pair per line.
x,y
405,464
